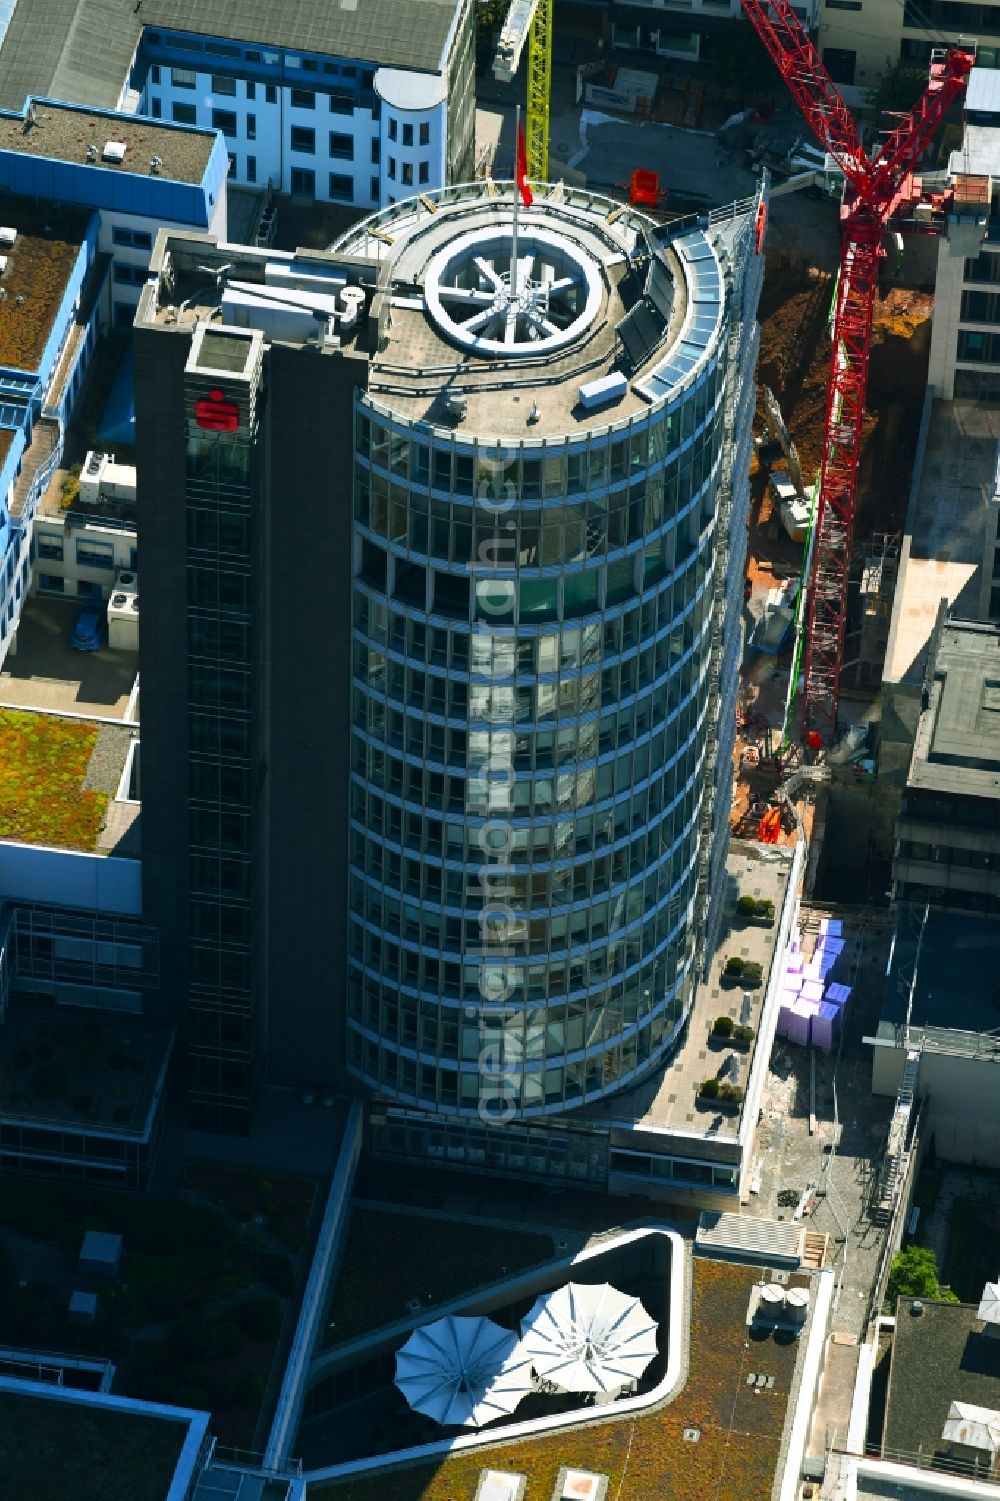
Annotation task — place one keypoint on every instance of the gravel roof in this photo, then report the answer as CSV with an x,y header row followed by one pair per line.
x,y
938,1357
64,133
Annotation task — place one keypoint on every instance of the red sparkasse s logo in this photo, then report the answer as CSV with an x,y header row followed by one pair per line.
x,y
217,413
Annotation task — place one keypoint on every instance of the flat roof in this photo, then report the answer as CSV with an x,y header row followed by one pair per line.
x,y
954,986
739,1425
53,1445
956,749
57,778
939,1357
82,49
942,551
63,132
39,266
116,1064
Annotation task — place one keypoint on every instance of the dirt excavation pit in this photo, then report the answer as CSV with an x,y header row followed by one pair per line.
x,y
795,354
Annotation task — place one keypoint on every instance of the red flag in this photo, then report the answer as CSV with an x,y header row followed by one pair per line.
x,y
522,169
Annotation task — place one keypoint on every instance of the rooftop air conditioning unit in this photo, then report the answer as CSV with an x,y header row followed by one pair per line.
x,y
127,582
114,151
8,235
457,405
90,477
123,621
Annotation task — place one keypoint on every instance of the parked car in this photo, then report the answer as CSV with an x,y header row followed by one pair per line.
x,y
87,631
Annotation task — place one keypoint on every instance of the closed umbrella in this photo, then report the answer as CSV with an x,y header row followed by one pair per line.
x,y
464,1371
589,1339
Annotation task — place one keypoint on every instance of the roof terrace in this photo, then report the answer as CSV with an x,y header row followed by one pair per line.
x,y
940,1355
38,269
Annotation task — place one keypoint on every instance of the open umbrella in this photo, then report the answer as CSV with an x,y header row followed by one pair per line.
x,y
588,1339
463,1370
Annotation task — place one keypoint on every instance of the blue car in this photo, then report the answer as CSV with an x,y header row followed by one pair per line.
x,y
87,631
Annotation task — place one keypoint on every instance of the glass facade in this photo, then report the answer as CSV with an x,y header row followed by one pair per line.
x,y
532,638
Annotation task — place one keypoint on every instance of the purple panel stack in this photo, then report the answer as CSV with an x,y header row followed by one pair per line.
x,y
839,994
800,1021
812,990
826,1026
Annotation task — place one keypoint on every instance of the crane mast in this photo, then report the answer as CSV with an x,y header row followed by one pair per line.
x,y
876,187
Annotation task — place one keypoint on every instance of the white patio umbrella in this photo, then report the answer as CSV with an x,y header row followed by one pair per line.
x,y
463,1370
588,1339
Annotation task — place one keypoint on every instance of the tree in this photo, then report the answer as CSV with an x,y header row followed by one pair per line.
x,y
914,1274
898,90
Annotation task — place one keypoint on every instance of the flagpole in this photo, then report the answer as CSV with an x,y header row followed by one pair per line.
x,y
517,204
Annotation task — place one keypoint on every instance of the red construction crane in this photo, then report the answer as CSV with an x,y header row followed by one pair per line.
x,y
876,188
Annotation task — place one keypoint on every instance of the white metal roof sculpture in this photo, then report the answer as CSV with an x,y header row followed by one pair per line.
x,y
974,1427
588,1339
989,1304
463,1371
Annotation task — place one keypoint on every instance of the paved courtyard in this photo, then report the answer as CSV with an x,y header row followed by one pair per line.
x,y
46,673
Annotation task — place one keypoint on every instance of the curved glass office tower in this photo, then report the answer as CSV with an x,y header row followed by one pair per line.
x,y
542,476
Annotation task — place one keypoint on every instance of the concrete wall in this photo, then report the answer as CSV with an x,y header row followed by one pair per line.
x,y
960,1101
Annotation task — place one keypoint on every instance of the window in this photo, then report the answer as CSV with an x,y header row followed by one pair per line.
x,y
52,583
251,127
303,183
50,546
341,187
374,188
392,130
253,57
91,554
303,138
843,4
341,146
88,589
407,135
376,152
155,108
840,64
183,78
310,65
140,239
234,165
407,178
425,172
425,134
154,73
124,314
391,169
130,276
271,93
251,169
303,99
222,49
251,89
184,114
224,120
222,85
342,104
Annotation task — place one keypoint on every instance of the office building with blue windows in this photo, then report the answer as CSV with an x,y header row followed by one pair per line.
x,y
486,716
352,104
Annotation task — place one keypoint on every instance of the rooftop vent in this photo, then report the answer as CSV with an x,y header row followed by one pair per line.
x,y
3,264
91,153
8,235
114,151
155,163
457,405
916,1308
989,1308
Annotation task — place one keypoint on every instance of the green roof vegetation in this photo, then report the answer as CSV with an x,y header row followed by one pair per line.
x,y
734,1459
51,1450
443,1259
38,270
43,764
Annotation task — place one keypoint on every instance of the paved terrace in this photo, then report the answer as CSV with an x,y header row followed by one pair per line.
x,y
668,1099
739,1426
64,131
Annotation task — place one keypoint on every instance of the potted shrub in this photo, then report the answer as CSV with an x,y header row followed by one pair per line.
x,y
709,1089
723,1026
742,1034
731,1094
746,906
734,968
751,973
764,909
